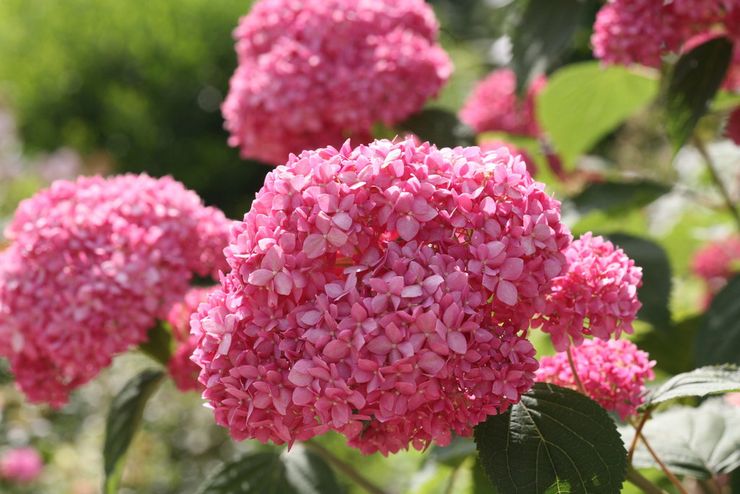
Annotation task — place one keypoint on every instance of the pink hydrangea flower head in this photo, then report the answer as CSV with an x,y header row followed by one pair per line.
x,y
613,373
21,465
92,264
596,296
494,106
494,144
717,262
182,369
313,72
732,130
380,291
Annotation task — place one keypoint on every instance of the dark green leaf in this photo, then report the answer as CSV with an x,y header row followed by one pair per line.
x,y
672,350
543,35
460,449
614,197
699,442
553,440
299,471
439,127
481,483
124,418
583,102
718,339
158,344
694,81
656,277
700,382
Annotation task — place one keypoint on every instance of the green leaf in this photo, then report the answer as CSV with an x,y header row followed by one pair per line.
x,y
583,102
700,442
298,471
693,83
124,418
655,291
553,440
158,344
672,350
700,382
481,483
718,339
439,127
459,449
614,197
543,35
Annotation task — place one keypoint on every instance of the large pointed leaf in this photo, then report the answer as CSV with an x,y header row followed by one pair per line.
x,y
614,197
124,418
701,442
553,440
439,127
697,383
694,81
655,291
459,450
299,471
583,102
718,338
542,35
672,350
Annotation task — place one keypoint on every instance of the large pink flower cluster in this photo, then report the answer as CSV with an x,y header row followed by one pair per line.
x,y
494,106
643,31
613,373
92,264
182,369
313,72
717,262
21,465
380,291
596,296
494,144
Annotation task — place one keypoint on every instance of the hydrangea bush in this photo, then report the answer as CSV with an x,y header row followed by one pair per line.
x,y
401,281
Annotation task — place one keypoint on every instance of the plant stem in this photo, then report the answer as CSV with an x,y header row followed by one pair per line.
x,y
636,478
638,433
731,206
451,482
344,467
674,480
576,377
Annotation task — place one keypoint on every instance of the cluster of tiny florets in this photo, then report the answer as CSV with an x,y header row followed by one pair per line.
x,y
21,465
181,368
381,291
596,296
312,72
92,264
494,106
643,31
494,144
717,262
613,373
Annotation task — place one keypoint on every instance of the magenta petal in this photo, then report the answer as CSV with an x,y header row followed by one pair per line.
x,y
512,268
260,277
314,246
302,396
407,227
506,292
431,363
457,342
336,349
283,284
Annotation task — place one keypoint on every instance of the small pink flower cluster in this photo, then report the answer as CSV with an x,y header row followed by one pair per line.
x,y
717,262
380,291
494,106
613,373
92,264
182,369
643,31
494,144
21,465
596,296
312,72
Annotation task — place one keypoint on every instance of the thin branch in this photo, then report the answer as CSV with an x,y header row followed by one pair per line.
x,y
636,478
451,482
674,480
576,377
344,467
638,433
731,206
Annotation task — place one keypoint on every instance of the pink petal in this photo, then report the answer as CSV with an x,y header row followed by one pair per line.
x,y
260,277
457,342
431,363
411,291
506,292
314,246
407,227
336,349
311,317
302,396
512,268
337,237
283,283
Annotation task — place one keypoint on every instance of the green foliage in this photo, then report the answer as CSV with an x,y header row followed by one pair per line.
x,y
673,351
700,442
438,126
583,102
553,440
655,291
694,81
141,80
543,35
700,382
124,418
158,344
460,449
614,197
718,339
298,471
